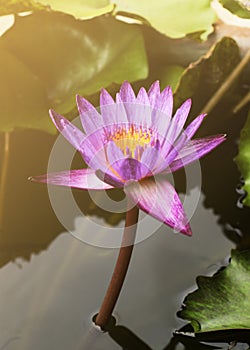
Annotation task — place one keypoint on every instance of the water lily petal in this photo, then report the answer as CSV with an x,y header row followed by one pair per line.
x,y
100,160
142,97
194,126
107,168
160,200
164,102
179,120
111,112
118,98
127,93
176,126
90,147
83,105
153,161
196,149
129,169
107,107
108,178
148,165
90,118
94,151
117,161
127,96
154,93
74,135
84,179
114,153
105,98
186,135
162,112
142,113
121,111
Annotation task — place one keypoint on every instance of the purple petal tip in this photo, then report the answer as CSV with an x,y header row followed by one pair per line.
x,y
78,100
52,113
221,138
189,102
155,86
56,118
167,90
83,105
39,178
105,98
78,97
126,92
187,231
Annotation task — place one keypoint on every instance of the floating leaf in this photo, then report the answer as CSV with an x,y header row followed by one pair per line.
x,y
172,18
170,75
238,8
243,158
8,7
221,302
54,57
78,8
209,71
23,99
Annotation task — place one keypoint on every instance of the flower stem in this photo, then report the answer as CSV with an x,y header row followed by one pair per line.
x,y
3,178
121,267
227,84
242,103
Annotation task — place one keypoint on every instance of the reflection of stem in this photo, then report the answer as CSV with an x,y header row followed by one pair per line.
x,y
232,345
4,175
121,268
227,84
89,339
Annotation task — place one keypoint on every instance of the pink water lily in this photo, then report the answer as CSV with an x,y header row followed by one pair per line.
x,y
133,143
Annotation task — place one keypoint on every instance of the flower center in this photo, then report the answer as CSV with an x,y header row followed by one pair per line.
x,y
132,140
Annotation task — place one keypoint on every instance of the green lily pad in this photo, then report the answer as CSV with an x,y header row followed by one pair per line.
x,y
78,8
243,158
62,57
8,7
174,19
221,302
170,75
23,99
209,71
238,8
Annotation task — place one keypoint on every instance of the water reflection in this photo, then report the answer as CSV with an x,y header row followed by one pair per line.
x,y
50,301
189,344
128,340
29,224
223,195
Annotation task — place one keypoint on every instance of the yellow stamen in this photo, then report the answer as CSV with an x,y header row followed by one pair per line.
x,y
128,139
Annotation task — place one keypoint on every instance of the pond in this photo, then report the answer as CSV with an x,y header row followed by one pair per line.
x,y
58,246
52,284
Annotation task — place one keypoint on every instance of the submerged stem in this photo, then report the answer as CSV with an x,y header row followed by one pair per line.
x,y
121,267
4,175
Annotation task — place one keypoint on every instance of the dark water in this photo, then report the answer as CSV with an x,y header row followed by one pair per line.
x,y
52,284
